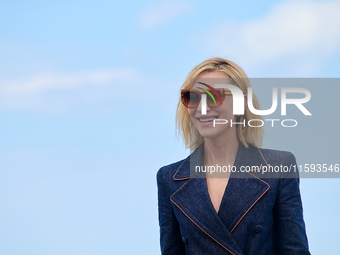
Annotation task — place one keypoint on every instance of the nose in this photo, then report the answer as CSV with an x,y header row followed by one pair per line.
x,y
203,107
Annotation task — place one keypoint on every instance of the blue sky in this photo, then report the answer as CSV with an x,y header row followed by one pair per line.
x,y
78,160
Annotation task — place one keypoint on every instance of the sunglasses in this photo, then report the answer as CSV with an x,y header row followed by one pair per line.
x,y
192,97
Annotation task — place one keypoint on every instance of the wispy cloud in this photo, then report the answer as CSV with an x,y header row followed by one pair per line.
x,y
66,81
305,29
62,91
162,12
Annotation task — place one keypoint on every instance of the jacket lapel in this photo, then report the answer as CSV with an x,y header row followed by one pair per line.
x,y
243,191
240,196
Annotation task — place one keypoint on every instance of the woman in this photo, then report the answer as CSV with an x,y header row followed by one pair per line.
x,y
208,203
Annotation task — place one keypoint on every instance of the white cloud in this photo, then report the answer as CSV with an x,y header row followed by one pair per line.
x,y
161,13
62,91
58,91
302,29
67,81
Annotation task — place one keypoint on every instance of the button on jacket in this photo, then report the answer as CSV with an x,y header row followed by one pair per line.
x,y
259,213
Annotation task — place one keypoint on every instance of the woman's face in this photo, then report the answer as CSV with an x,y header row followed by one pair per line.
x,y
204,123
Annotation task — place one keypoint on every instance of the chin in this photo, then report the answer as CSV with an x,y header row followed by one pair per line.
x,y
209,134
213,132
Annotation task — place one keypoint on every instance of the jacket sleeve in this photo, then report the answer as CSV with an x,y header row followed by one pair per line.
x,y
170,236
291,232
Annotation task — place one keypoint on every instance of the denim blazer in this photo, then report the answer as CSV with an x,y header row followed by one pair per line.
x,y
259,213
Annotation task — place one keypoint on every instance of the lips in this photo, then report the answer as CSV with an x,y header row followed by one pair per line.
x,y
204,119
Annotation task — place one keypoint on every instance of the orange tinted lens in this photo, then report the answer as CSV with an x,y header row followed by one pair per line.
x,y
211,101
190,99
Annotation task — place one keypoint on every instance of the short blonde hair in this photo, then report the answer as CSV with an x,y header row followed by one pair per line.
x,y
247,135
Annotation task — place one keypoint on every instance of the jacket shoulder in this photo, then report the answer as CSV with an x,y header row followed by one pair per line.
x,y
168,171
279,162
275,157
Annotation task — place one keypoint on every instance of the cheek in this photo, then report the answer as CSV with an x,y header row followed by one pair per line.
x,y
191,112
226,109
229,107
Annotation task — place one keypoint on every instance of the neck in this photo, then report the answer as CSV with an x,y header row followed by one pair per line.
x,y
221,150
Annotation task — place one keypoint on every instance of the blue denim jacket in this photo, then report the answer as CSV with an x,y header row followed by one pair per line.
x,y
259,213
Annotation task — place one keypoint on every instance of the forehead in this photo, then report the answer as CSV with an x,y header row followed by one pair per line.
x,y
210,78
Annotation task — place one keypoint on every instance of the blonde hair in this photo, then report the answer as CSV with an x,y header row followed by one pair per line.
x,y
247,135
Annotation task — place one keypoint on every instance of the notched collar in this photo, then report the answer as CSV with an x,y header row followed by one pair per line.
x,y
245,157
